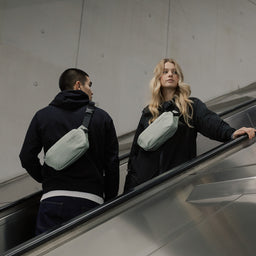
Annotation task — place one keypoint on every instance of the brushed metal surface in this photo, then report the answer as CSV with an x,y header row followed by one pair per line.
x,y
230,231
166,223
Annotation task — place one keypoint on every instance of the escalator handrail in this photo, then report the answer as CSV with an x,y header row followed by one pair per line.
x,y
43,238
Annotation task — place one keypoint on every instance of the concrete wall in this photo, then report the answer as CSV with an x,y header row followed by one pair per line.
x,y
118,42
214,43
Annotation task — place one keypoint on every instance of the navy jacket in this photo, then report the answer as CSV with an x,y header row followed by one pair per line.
x,y
97,171
144,165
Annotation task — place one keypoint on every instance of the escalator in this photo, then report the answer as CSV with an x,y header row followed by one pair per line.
x,y
146,220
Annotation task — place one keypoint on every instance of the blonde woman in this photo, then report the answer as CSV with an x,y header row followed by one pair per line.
x,y
168,93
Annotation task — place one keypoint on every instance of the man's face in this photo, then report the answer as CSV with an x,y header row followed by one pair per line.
x,y
86,87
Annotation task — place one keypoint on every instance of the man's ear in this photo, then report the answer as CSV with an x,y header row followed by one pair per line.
x,y
76,86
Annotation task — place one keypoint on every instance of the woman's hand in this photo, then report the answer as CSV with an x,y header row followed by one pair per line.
x,y
250,131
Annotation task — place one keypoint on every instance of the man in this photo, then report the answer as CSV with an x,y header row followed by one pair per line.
x,y
93,178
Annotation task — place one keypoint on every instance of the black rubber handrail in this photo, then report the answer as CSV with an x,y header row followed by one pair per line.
x,y
43,238
124,156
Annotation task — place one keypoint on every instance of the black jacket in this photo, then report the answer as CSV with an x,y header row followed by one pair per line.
x,y
144,165
97,171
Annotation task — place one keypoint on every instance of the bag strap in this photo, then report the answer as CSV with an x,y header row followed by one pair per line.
x,y
88,114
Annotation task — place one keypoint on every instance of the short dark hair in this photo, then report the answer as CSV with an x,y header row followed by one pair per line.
x,y
69,77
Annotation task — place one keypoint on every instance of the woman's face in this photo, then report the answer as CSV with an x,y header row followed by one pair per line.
x,y
170,77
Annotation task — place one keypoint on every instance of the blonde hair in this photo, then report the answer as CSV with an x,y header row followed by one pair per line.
x,y
181,95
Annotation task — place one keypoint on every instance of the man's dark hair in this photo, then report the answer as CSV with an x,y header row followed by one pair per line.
x,y
69,77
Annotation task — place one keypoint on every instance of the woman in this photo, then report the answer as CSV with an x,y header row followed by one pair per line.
x,y
170,93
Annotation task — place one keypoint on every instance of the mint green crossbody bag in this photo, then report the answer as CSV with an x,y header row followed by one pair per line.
x,y
158,132
71,146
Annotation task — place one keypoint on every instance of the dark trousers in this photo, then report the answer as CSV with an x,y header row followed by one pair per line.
x,y
54,211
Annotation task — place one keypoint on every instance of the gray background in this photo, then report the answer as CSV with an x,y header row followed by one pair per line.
x,y
118,42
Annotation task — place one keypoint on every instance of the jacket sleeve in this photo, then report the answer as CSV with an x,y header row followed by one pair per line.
x,y
29,152
210,124
111,162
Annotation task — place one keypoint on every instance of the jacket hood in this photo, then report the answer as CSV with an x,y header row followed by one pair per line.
x,y
70,99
